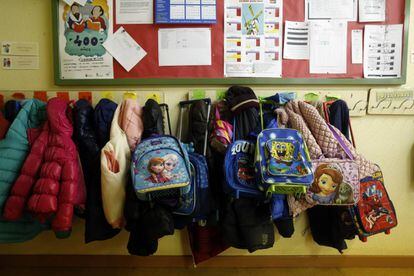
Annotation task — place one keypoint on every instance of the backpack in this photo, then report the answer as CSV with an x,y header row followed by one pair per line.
x,y
240,180
282,161
194,200
239,171
374,212
223,131
150,174
339,178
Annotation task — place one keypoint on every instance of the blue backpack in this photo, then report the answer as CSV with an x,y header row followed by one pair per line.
x,y
159,163
195,199
282,161
240,180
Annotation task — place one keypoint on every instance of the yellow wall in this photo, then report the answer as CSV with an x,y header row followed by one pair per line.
x,y
388,140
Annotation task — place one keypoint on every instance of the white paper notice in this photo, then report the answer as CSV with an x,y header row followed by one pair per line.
x,y
356,37
382,51
134,11
296,45
328,42
253,38
69,2
331,9
20,62
124,49
81,2
372,10
19,48
184,46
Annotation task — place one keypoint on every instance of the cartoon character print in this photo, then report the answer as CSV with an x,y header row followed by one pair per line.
x,y
156,168
96,21
75,19
372,208
170,163
281,157
345,194
245,171
162,169
327,180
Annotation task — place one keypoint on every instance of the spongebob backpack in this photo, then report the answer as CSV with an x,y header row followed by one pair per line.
x,y
282,161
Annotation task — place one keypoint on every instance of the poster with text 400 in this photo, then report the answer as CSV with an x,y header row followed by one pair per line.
x,y
82,30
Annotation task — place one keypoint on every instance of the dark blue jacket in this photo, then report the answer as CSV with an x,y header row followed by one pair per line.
x,y
11,108
104,112
87,136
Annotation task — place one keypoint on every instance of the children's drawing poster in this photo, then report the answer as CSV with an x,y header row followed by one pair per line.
x,y
82,31
253,38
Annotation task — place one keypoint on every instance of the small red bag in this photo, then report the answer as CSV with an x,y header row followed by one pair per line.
x,y
222,133
374,212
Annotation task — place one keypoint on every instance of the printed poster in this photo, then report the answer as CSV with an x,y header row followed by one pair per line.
x,y
82,31
253,38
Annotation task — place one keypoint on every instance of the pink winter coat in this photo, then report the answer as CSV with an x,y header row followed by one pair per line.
x,y
48,183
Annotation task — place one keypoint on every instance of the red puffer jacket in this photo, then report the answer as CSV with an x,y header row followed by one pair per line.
x,y
53,159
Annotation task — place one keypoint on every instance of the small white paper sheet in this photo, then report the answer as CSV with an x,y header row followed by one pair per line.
x,y
20,62
124,49
296,43
356,37
383,51
71,2
331,9
81,2
134,11
328,43
19,48
184,46
372,10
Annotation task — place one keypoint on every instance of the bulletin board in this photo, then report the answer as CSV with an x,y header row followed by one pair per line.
x,y
147,70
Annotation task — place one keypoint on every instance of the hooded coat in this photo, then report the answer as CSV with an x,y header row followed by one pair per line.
x,y
48,184
13,151
116,160
86,135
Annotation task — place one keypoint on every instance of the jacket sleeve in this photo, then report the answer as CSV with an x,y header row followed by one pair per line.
x,y
14,207
62,223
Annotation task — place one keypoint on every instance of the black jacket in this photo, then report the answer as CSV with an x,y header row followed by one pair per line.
x,y
96,226
153,119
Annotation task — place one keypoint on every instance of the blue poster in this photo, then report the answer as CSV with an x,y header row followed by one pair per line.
x,y
185,11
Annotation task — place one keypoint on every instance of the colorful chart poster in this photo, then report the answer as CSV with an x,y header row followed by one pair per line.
x,y
253,38
82,31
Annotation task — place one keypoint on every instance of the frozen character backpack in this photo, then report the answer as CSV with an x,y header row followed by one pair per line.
x,y
159,163
282,161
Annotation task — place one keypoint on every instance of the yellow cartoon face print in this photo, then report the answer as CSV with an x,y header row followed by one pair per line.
x,y
282,151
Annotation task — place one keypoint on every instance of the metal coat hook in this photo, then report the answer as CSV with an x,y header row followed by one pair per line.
x,y
411,106
385,99
402,103
358,102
